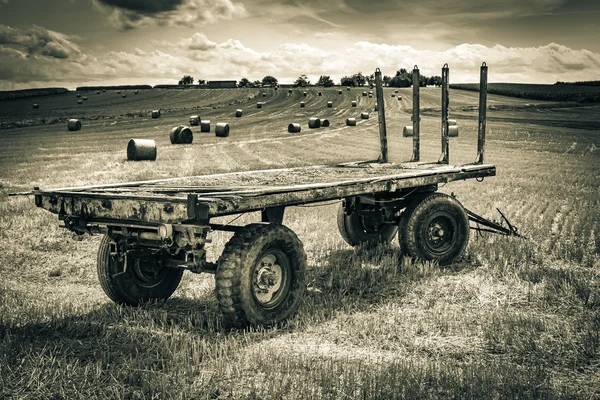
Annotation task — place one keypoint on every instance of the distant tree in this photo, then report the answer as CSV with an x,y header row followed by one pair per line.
x,y
402,79
256,83
201,81
302,81
430,81
359,78
269,81
244,82
347,81
370,79
386,80
186,80
325,80
423,81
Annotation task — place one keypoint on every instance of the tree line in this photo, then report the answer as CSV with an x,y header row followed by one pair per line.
x,y
403,78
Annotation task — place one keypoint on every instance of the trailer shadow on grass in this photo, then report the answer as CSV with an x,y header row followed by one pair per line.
x,y
127,349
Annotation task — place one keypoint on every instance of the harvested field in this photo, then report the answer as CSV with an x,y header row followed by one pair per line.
x,y
513,318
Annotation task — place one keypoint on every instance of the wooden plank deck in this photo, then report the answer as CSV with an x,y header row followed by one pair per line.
x,y
168,200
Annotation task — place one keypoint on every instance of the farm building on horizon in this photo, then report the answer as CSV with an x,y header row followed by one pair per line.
x,y
222,84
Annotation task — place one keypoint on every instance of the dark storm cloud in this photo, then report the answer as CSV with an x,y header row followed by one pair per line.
x,y
130,14
144,6
36,40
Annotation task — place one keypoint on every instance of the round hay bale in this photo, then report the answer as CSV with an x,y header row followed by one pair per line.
x,y
396,91
370,95
222,129
347,88
319,93
259,104
364,115
330,104
325,123
289,90
85,99
353,103
399,98
118,92
264,94
302,104
141,149
364,94
185,135
407,131
453,131
103,90
294,128
124,95
376,108
73,124
304,94
174,135
181,135
204,125
194,120
239,112
371,92
314,123
78,95
340,91
351,121
79,101
136,91
97,92
155,113
451,122
393,94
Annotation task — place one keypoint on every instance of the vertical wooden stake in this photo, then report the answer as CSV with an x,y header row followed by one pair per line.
x,y
383,157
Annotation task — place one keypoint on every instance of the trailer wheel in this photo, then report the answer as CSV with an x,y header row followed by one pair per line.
x,y
260,276
136,283
357,229
435,227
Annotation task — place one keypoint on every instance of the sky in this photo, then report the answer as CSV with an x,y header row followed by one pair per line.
x,y
70,43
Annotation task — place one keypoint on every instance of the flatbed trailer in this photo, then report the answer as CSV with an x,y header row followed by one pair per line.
x,y
155,230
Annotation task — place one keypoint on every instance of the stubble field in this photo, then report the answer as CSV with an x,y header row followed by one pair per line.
x,y
514,318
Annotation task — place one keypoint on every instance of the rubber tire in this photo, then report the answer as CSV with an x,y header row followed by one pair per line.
x,y
235,269
351,229
123,289
412,227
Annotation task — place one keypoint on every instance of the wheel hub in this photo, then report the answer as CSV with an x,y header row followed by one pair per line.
x,y
268,278
147,274
438,234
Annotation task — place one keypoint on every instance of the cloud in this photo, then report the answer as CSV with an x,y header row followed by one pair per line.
x,y
232,59
36,40
131,14
198,41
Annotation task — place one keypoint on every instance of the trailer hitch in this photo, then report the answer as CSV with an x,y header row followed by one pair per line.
x,y
493,226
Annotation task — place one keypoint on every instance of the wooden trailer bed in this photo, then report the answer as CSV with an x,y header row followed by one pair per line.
x,y
206,196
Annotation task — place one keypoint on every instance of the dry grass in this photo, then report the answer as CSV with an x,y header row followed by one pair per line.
x,y
514,318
